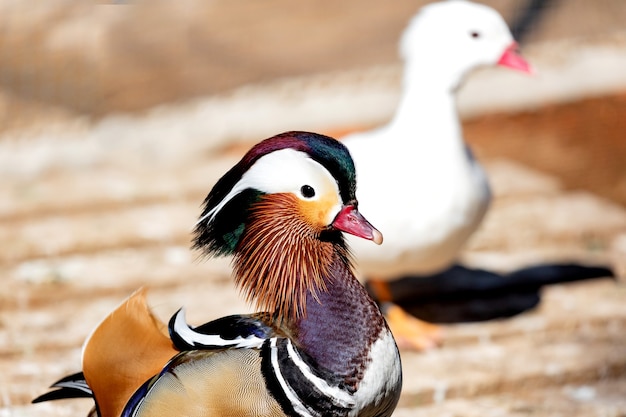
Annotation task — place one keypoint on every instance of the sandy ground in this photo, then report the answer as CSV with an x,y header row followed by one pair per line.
x,y
100,188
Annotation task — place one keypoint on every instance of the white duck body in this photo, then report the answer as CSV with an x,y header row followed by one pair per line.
x,y
417,177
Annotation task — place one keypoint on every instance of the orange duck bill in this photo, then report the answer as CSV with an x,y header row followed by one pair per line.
x,y
350,220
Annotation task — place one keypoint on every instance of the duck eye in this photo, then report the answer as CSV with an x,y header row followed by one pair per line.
x,y
307,191
475,34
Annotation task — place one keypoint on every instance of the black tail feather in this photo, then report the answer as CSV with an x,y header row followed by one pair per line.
x,y
462,294
71,386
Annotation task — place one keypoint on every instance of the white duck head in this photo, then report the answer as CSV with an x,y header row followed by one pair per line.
x,y
448,39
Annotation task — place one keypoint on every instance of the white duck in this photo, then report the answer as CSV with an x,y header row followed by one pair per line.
x,y
419,162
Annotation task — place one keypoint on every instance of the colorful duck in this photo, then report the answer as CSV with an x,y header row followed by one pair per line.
x,y
319,347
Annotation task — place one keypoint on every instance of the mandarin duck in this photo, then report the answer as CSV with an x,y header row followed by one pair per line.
x,y
320,345
419,160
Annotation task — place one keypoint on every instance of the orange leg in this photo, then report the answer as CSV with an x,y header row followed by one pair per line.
x,y
410,332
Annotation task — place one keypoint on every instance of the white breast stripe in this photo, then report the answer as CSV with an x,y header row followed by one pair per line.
x,y
382,375
341,397
193,338
293,398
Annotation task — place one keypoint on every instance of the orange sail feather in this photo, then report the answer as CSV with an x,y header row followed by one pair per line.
x,y
125,350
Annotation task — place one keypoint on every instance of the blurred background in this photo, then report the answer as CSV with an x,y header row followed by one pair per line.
x,y
117,117
69,64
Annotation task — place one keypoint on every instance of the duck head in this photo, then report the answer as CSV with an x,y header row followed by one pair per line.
x,y
281,212
454,37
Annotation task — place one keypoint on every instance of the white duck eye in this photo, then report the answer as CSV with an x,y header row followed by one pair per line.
x,y
475,34
307,191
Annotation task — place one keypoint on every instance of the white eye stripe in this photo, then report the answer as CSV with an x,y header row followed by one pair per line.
x,y
283,171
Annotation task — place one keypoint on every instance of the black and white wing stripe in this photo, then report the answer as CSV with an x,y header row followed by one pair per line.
x,y
237,331
300,389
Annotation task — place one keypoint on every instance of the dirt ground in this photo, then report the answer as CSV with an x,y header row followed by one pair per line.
x,y
99,188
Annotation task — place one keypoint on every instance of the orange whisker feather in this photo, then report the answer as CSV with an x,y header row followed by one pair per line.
x,y
280,258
